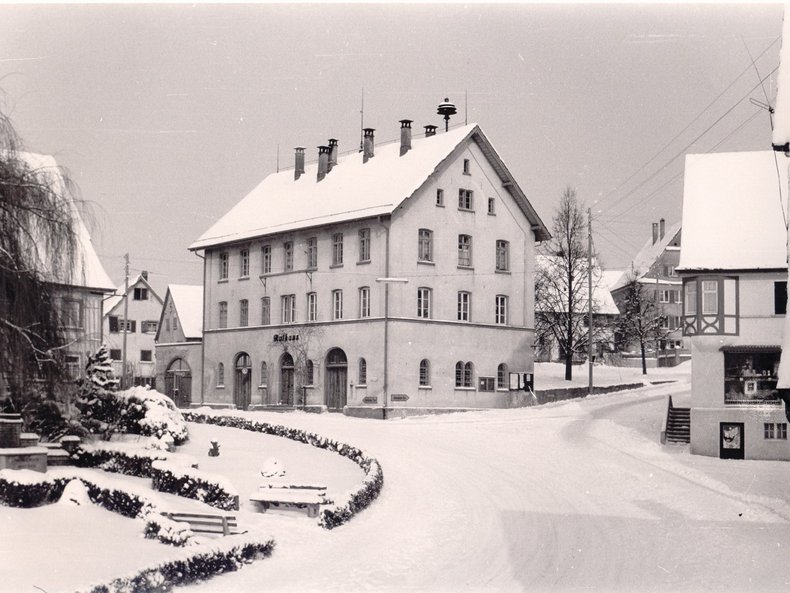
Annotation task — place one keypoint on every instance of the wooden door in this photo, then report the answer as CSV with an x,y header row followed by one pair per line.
x,y
242,384
336,380
286,380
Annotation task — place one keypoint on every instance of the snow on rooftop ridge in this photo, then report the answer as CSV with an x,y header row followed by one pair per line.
x,y
188,302
645,259
351,191
734,206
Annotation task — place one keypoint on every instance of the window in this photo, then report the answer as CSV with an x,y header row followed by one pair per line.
x,y
466,167
72,365
312,306
486,384
425,245
750,374
364,301
425,372
140,294
679,296
463,374
116,354
465,199
440,197
424,303
288,308
266,311
150,327
691,298
244,263
220,375
337,304
266,258
223,266
663,296
310,372
129,326
491,206
146,356
711,306
500,313
71,313
244,313
664,322
312,253
175,323
780,298
465,251
710,297
502,376
114,327
264,375
337,249
167,324
288,256
364,245
363,372
670,271
502,256
464,306
775,431
223,314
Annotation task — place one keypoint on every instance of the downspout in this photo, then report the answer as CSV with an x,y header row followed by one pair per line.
x,y
203,337
386,319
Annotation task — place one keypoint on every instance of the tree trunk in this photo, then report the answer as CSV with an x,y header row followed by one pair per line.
x,y
568,365
644,364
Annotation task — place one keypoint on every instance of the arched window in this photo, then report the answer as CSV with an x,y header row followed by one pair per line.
x,y
501,376
363,372
425,372
468,374
220,375
264,374
459,374
310,372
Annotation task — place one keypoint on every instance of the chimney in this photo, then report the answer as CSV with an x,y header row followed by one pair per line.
x,y
430,131
661,228
405,136
144,274
332,154
323,161
367,145
299,162
655,232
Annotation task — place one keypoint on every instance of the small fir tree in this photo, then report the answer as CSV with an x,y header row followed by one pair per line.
x,y
101,412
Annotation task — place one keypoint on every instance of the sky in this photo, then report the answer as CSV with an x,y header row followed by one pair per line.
x,y
167,115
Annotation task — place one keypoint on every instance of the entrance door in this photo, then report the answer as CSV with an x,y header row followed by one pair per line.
x,y
178,383
287,380
242,384
731,440
336,380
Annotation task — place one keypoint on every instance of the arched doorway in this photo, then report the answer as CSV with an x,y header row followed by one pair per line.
x,y
286,380
336,380
242,383
178,383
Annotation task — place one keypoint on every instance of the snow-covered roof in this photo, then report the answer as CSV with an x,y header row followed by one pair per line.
x,y
734,208
88,270
602,296
352,190
647,256
188,302
114,299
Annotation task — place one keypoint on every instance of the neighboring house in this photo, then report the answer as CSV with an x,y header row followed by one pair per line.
x,y
605,314
655,266
138,318
179,344
396,278
734,271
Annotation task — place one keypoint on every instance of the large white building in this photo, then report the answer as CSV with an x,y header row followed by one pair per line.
x,y
395,278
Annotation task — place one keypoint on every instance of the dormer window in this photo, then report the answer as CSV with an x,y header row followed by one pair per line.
x,y
710,306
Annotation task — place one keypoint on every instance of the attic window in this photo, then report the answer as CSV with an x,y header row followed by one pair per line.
x,y
140,294
466,167
440,197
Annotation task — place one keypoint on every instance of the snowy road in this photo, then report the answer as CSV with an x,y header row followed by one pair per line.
x,y
567,497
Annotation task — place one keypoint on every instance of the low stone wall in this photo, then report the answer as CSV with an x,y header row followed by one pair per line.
x,y
555,395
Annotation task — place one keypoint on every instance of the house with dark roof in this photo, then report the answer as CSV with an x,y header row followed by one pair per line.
x,y
179,344
733,265
384,281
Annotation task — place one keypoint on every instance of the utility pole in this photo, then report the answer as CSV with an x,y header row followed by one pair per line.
x,y
125,322
589,302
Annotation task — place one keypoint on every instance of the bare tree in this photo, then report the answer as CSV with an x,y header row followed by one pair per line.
x,y
38,246
308,339
561,294
640,319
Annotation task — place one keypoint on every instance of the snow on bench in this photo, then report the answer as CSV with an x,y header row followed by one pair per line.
x,y
278,493
206,523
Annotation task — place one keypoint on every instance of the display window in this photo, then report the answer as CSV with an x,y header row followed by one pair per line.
x,y
750,377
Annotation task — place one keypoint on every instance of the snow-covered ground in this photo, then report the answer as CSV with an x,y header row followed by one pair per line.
x,y
572,496
551,375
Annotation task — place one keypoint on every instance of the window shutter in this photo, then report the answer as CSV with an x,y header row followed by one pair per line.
x,y
113,325
133,327
780,298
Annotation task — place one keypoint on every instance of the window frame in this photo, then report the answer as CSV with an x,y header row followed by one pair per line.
x,y
312,253
425,373
501,309
224,265
465,251
337,249
726,320
244,263
364,302
223,315
466,200
220,375
312,306
266,311
440,197
266,259
288,309
288,256
464,310
362,373
502,255
424,302
491,206
425,245
364,245
337,304
244,312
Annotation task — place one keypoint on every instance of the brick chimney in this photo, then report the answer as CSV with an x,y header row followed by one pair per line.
x,y
367,145
298,162
323,161
332,154
430,131
655,232
405,136
144,274
661,228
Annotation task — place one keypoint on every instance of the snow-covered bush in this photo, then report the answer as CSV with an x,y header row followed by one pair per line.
x,y
150,413
126,458
211,489
355,502
167,531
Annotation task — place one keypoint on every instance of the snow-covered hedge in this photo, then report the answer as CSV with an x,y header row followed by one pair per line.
x,y
125,458
167,531
151,413
226,555
212,489
337,514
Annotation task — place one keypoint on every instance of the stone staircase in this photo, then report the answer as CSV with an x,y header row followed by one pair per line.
x,y
678,424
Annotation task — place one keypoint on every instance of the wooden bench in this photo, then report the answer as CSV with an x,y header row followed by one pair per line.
x,y
205,523
286,495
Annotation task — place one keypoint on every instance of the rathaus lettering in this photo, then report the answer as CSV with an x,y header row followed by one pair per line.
x,y
286,338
